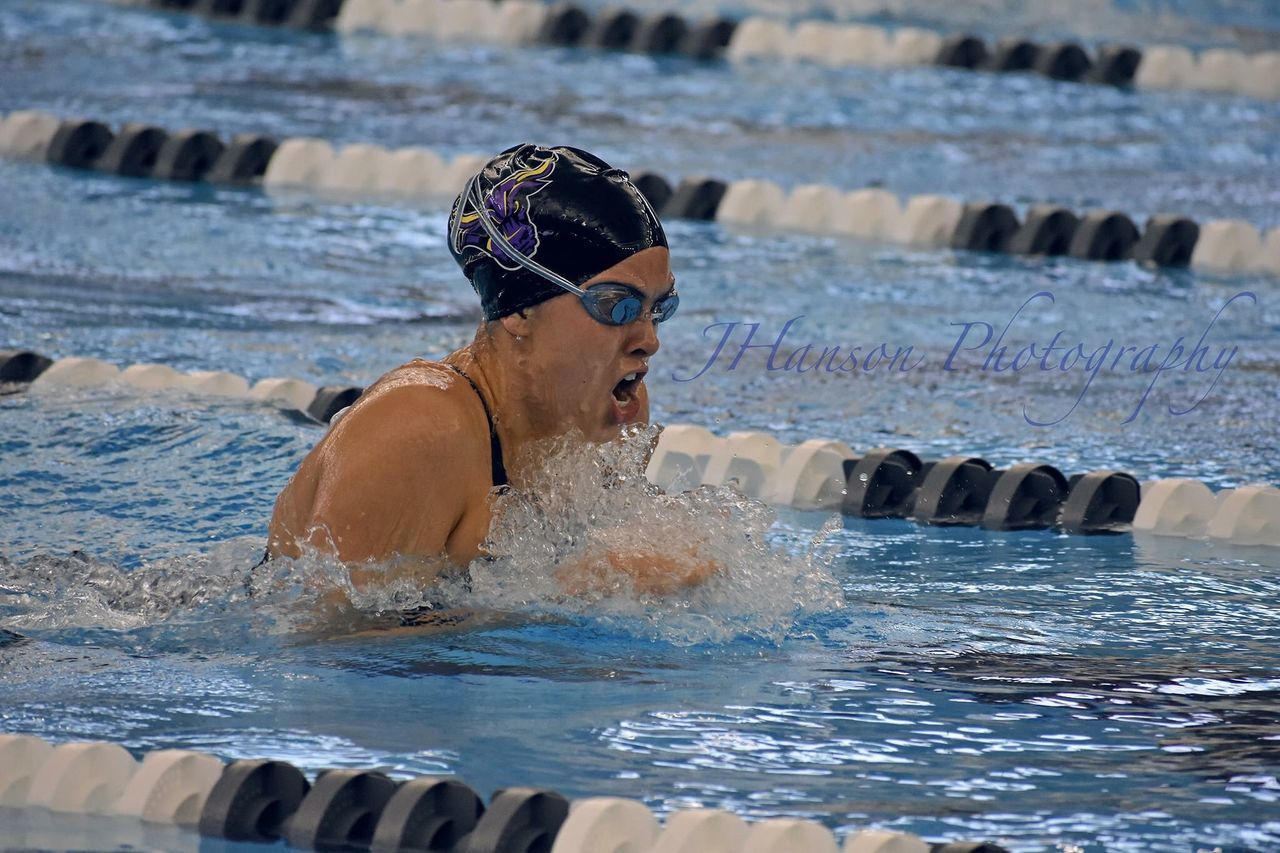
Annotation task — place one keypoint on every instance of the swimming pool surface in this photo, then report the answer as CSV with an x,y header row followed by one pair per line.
x,y
1030,688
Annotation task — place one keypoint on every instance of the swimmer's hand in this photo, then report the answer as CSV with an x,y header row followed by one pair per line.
x,y
636,572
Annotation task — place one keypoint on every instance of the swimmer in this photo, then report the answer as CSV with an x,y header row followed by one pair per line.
x,y
573,273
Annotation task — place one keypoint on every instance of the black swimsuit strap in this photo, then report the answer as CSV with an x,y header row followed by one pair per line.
x,y
495,446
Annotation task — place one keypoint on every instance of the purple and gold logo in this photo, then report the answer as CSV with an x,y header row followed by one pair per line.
x,y
507,207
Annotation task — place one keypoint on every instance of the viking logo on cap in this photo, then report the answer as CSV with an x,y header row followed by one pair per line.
x,y
507,207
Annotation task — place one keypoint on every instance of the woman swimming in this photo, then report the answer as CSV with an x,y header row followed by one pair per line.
x,y
573,273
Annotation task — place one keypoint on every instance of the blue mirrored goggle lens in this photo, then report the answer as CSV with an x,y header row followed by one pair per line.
x,y
625,310
665,307
617,305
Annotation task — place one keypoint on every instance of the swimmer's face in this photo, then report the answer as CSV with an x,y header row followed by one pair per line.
x,y
585,363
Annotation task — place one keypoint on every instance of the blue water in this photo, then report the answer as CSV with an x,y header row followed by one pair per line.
x,y
1030,688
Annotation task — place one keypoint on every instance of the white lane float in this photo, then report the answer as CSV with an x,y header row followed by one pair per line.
x,y
1262,80
758,38
751,202
814,41
868,214
1249,515
1165,66
1228,245
607,825
884,841
748,461
170,786
810,207
27,133
1219,70
466,20
86,778
357,15
858,44
453,179
812,475
787,835
913,46
357,168
293,392
409,172
702,831
218,383
1268,260
928,220
21,757
519,21
153,377
299,163
1175,507
410,18
77,372
681,457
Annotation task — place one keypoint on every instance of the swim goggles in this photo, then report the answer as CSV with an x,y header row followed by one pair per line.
x,y
610,303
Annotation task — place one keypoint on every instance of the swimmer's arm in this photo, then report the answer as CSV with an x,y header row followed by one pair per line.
x,y
646,572
392,484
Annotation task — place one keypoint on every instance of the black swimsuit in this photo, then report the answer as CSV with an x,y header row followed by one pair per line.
x,y
495,446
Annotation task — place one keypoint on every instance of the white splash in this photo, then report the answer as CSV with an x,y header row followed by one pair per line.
x,y
560,542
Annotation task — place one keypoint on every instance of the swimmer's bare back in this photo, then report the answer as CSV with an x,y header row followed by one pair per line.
x,y
406,472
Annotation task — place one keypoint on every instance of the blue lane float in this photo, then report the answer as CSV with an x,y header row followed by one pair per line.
x,y
1217,70
870,213
264,801
817,474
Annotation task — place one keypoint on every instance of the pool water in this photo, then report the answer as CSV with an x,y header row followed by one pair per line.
x,y
1031,688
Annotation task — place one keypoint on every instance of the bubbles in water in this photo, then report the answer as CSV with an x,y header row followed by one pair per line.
x,y
196,592
591,536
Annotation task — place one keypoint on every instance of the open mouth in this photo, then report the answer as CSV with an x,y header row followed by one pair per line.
x,y
625,391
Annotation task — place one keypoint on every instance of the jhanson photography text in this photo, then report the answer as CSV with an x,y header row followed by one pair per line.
x,y
977,344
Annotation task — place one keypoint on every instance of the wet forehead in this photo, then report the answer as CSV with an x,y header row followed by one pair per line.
x,y
648,270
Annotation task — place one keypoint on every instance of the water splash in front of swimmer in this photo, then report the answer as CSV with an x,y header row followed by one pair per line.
x,y
589,535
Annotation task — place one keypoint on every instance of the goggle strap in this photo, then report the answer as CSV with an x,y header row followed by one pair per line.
x,y
497,237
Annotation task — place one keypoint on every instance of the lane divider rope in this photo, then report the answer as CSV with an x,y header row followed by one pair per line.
x,y
264,801
1218,70
869,213
817,474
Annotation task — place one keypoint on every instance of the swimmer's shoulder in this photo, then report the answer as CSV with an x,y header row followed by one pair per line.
x,y
419,411
410,446
417,378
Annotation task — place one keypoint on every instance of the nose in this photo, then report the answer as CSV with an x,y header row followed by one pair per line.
x,y
643,338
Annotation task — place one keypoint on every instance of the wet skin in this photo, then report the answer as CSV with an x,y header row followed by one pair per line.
x,y
406,472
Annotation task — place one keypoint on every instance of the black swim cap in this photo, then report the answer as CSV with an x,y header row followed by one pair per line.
x,y
563,208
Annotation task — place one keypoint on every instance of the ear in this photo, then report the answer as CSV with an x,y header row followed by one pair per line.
x,y
518,325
